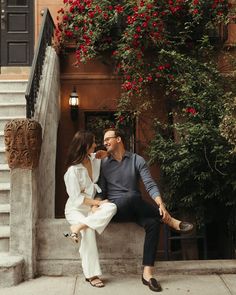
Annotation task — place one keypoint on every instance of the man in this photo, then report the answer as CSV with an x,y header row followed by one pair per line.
x,y
120,174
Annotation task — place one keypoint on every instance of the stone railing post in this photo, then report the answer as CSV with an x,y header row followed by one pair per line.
x,y
23,139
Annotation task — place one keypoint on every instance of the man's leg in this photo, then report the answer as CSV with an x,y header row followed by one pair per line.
x,y
147,216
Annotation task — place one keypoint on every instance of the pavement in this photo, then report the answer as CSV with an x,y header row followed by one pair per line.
x,y
174,284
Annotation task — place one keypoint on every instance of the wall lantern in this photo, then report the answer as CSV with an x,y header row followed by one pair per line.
x,y
74,104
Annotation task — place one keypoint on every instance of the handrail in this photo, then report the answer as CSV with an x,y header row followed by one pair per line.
x,y
45,39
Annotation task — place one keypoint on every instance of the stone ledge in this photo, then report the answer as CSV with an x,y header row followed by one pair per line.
x,y
68,267
197,267
11,269
120,251
110,244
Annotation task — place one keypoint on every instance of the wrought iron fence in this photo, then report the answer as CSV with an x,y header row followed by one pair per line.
x,y
45,39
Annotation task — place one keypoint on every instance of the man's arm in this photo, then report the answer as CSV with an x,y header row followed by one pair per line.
x,y
151,187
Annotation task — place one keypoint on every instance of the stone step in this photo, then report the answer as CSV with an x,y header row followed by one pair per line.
x,y
12,109
5,208
13,85
4,120
11,269
3,158
4,173
12,97
4,231
4,214
4,238
5,193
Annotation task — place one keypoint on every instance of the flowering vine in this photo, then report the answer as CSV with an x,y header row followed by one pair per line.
x,y
165,48
135,32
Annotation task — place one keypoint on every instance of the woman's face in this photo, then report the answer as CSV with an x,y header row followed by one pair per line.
x,y
92,147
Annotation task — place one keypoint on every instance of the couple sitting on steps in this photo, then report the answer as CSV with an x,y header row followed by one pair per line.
x,y
91,206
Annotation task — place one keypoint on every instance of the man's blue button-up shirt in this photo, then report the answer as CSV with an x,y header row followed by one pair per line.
x,y
120,179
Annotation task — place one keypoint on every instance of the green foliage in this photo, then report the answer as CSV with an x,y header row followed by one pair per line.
x,y
169,50
198,169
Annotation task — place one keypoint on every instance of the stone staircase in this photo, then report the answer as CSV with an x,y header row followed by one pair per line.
x,y
12,106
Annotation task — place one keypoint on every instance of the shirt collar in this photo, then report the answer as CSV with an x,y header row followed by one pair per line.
x,y
126,155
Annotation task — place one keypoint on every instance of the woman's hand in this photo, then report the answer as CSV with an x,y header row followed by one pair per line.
x,y
101,154
95,207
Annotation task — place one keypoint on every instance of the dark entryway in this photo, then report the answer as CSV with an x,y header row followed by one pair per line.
x,y
17,32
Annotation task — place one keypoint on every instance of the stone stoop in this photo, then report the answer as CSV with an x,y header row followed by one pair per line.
x,y
12,106
11,270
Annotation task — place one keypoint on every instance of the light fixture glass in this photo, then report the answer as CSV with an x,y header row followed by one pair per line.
x,y
74,104
74,98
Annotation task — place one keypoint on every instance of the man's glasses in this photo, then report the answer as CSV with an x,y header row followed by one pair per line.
x,y
108,138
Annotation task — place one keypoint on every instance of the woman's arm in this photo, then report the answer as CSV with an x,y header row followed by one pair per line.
x,y
94,202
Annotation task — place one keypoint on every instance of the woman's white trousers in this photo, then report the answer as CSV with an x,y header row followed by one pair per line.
x,y
96,221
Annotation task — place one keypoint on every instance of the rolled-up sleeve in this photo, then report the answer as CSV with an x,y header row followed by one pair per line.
x,y
147,179
73,188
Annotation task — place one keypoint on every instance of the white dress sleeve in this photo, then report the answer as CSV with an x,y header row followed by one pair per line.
x,y
96,164
73,187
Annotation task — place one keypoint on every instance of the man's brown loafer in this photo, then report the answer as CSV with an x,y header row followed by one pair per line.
x,y
153,284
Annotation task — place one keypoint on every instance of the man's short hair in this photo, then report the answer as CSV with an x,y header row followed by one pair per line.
x,y
118,133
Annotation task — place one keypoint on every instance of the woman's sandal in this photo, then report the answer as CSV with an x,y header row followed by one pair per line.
x,y
73,236
95,282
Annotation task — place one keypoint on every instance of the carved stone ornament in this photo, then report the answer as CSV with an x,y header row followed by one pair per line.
x,y
23,140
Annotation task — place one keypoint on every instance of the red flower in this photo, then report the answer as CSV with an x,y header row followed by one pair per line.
x,y
68,33
191,111
119,8
121,119
65,17
91,14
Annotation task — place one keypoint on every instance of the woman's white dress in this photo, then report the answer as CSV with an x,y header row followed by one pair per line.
x,y
78,186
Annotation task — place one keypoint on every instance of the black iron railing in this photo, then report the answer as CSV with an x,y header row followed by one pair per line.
x,y
45,39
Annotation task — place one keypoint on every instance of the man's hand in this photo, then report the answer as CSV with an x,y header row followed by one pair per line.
x,y
162,209
164,213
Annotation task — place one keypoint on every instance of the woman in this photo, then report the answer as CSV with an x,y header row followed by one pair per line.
x,y
82,211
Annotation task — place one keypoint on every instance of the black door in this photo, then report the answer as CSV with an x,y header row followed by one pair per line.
x,y
17,32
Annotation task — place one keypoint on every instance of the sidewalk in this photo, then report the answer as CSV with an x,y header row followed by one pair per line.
x,y
223,284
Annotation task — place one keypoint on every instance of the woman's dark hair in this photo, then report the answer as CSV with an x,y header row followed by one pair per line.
x,y
77,151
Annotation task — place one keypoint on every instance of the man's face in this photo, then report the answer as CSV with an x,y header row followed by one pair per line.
x,y
110,141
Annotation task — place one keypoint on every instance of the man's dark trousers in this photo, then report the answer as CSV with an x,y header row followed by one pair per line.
x,y
146,215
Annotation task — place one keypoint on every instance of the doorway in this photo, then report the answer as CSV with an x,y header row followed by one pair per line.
x,y
17,32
